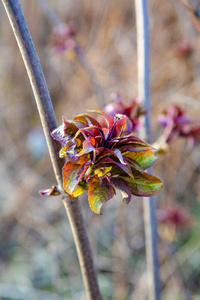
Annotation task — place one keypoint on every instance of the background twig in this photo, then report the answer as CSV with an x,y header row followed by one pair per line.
x,y
55,20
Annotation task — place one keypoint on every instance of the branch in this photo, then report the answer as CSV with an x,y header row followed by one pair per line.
x,y
45,108
143,93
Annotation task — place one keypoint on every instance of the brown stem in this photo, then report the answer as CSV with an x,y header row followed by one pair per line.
x,y
73,209
45,108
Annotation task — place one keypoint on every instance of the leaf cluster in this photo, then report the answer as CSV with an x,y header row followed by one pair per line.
x,y
103,159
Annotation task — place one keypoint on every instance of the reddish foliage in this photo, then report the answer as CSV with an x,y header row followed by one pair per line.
x,y
177,124
133,110
103,159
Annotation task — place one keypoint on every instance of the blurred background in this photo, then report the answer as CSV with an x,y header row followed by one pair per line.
x,y
38,259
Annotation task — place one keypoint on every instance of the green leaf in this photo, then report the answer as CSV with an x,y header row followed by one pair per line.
x,y
144,158
134,147
123,186
144,184
99,192
133,164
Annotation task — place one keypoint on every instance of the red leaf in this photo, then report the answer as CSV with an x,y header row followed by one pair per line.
x,y
88,146
104,152
69,127
84,117
124,125
109,120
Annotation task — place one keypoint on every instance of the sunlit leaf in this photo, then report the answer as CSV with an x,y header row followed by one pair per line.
x,y
78,190
85,117
102,171
130,140
134,164
68,148
144,158
109,120
123,125
99,192
88,146
134,147
81,118
108,161
92,130
69,128
73,172
106,132
144,184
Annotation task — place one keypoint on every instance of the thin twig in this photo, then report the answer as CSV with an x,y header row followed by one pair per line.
x,y
45,108
55,20
148,203
50,12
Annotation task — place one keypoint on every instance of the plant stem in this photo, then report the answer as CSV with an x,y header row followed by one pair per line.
x,y
45,108
148,203
72,206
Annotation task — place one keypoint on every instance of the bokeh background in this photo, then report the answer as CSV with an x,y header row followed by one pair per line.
x,y
38,259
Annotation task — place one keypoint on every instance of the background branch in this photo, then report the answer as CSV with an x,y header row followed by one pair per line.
x,y
143,93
